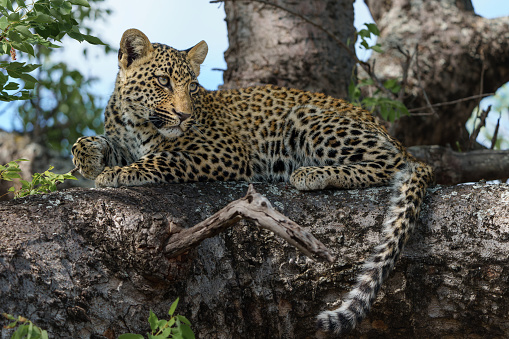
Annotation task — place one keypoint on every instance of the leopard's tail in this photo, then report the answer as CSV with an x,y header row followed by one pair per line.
x,y
409,187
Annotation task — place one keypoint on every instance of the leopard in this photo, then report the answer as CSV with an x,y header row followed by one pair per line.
x,y
162,126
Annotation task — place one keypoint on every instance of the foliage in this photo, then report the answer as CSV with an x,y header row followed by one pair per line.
x,y
389,109
177,327
365,34
28,25
41,182
26,329
60,106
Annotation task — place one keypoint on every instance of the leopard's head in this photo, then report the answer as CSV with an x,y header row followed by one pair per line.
x,y
158,82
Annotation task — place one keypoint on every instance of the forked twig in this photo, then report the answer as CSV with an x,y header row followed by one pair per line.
x,y
254,207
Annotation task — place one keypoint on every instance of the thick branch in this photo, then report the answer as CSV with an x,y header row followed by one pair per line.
x,y
90,263
454,167
254,207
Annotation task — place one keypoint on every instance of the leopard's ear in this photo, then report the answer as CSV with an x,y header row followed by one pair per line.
x,y
133,46
197,55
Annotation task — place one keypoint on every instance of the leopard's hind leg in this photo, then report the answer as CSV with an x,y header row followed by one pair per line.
x,y
349,176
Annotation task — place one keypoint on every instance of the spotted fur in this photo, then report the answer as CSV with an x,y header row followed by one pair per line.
x,y
162,127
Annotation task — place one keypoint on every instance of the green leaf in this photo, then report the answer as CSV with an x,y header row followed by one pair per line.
x,y
364,33
373,29
13,17
130,336
173,307
3,22
8,5
23,30
42,18
161,323
11,86
27,78
80,2
21,3
152,320
28,48
76,36
377,48
93,40
187,333
183,319
166,332
10,175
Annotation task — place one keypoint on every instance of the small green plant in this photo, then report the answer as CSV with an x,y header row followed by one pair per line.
x,y
26,328
41,182
177,327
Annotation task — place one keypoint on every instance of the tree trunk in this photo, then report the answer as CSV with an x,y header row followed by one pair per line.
x,y
89,263
268,45
457,55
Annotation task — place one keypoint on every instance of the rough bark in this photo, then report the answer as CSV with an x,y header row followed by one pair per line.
x,y
452,45
452,167
270,46
88,263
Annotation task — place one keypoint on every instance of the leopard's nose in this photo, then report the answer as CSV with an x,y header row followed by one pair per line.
x,y
183,116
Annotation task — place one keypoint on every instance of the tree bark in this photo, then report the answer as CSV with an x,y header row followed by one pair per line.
x,y
89,263
456,54
268,45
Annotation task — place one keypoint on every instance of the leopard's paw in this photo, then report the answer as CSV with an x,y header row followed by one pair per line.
x,y
88,156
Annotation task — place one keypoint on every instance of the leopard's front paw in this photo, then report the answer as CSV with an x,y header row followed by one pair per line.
x,y
88,156
109,177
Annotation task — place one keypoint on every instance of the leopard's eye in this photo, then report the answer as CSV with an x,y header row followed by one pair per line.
x,y
163,81
193,87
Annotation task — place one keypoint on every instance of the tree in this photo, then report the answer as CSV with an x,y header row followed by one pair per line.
x,y
450,54
268,45
90,263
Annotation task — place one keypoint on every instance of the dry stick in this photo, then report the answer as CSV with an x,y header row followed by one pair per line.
x,y
254,207
452,102
475,132
405,66
495,135
419,82
482,117
352,54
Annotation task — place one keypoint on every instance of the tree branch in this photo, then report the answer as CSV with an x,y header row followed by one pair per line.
x,y
452,167
254,207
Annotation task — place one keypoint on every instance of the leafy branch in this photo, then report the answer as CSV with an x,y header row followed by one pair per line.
x,y
37,23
